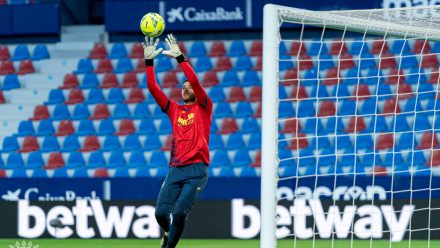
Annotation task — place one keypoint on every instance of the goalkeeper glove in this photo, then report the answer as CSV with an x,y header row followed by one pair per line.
x,y
150,51
174,50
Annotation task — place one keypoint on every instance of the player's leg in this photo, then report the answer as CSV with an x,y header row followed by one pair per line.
x,y
190,190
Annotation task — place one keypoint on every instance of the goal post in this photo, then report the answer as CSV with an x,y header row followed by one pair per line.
x,y
334,85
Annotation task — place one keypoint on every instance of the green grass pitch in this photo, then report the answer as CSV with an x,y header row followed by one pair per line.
x,y
210,243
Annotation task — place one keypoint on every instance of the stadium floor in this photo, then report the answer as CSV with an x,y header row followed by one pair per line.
x,y
209,243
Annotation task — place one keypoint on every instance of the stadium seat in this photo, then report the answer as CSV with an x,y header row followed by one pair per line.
x,y
75,96
169,79
356,124
95,96
39,173
338,48
251,78
55,160
110,143
80,111
217,49
244,62
60,172
14,160
197,49
70,81
242,159
256,48
408,61
203,64
137,159
104,65
327,108
136,95
96,160
121,172
223,109
416,76
297,48
7,67
91,143
220,158
140,65
115,95
228,126
124,65
137,51
26,128
65,128
25,67
165,126
75,159
146,126
236,94
84,66
216,94
298,141
324,62
158,159
332,76
40,113
101,112
428,140
132,143
380,47
106,127
89,81
99,51
21,52
235,141
45,127
11,81
305,62
421,47
109,81
285,110
400,47
40,52
50,143
429,61
121,111
387,60
237,48
118,51
152,142
255,94
215,142
141,111
4,53
223,64
10,143
126,127
116,159
243,109
80,172
129,80
316,48
70,143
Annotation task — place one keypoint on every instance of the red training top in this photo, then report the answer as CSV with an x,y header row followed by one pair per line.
x,y
191,124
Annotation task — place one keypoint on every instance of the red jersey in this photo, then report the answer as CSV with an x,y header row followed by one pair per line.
x,y
191,124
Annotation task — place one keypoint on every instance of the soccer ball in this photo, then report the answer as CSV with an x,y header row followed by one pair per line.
x,y
152,24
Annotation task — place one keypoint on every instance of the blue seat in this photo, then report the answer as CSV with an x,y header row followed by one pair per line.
x,y
116,159
216,142
60,112
358,47
223,109
165,126
347,160
60,173
132,143
111,142
71,143
220,158
242,158
89,81
80,111
84,65
367,61
325,62
115,95
25,128
146,127
421,122
203,64
55,96
282,93
250,125
118,51
248,172
251,78
347,107
285,109
40,52
310,125
364,141
374,77
39,173
137,159
123,65
106,127
50,143
408,61
121,111
35,160
80,172
329,125
414,104
121,172
416,76
197,49
216,94
383,89
317,48
306,108
235,141
244,109
369,107
254,141
141,111
10,82
96,160
392,159
158,159
282,49
85,127
287,171
21,52
10,144
45,127
152,142
400,47
142,172
19,173
380,125
285,62
344,142
230,78
286,158
222,172
14,160
425,91
95,96
326,160
243,63
310,77
163,64
352,77
237,48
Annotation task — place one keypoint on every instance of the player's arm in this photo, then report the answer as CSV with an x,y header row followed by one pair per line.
x,y
150,52
202,98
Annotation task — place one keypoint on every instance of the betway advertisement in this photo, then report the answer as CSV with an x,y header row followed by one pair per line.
x,y
236,218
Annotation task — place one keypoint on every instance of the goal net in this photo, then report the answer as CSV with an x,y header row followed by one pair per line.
x,y
351,127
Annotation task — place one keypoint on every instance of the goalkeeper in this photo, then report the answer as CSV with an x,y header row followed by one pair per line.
x,y
191,123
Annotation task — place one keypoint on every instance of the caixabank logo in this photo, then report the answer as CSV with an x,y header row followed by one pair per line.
x,y
192,14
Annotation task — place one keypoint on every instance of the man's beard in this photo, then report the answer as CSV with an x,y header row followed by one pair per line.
x,y
191,98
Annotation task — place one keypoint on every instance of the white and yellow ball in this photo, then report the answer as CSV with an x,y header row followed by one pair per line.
x,y
152,24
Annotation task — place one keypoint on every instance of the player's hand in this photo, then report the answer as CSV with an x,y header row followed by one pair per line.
x,y
174,47
150,51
